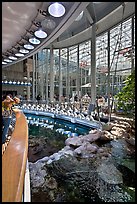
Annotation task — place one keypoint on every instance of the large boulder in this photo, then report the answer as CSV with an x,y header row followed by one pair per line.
x,y
85,150
78,141
109,173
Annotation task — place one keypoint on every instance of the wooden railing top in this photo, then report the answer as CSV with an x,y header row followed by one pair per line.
x,y
14,161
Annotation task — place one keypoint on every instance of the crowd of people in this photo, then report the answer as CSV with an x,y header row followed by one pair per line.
x,y
7,109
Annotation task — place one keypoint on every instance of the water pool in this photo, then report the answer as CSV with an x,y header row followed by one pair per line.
x,y
38,123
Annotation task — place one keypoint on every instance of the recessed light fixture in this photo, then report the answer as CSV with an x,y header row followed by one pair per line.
x,y
24,51
7,60
34,41
29,84
10,82
40,34
48,24
29,47
56,9
13,58
19,54
4,62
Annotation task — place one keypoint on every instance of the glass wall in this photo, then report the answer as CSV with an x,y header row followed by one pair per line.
x,y
72,66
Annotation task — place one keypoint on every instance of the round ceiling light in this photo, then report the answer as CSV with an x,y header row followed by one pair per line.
x,y
4,62
48,24
13,58
29,47
40,34
56,9
7,60
24,51
19,54
80,16
34,41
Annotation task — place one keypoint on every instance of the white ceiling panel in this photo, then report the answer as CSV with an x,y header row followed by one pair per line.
x,y
16,18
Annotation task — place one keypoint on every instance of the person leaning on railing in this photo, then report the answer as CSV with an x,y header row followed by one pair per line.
x,y
7,115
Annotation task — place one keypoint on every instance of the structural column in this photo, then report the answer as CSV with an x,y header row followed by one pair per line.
x,y
60,78
78,75
93,69
36,74
109,107
41,75
133,48
28,80
67,78
51,75
47,82
33,79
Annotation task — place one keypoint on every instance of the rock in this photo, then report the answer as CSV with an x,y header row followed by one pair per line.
x,y
43,160
92,137
109,173
123,126
51,183
107,126
130,140
88,167
117,195
78,141
85,149
74,142
94,131
100,150
106,136
37,149
49,161
69,152
66,148
37,174
117,133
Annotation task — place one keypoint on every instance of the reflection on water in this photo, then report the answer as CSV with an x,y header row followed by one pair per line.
x,y
57,123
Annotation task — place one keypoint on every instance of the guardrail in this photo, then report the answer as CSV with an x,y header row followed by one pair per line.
x,y
14,161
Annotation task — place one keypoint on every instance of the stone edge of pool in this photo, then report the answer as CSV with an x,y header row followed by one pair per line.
x,y
92,124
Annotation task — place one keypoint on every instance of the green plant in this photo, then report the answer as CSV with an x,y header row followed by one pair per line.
x,y
126,97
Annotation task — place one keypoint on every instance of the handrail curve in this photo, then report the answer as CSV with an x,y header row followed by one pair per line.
x,y
14,161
